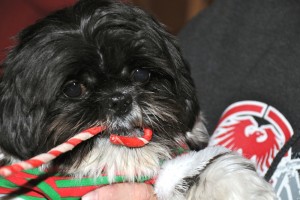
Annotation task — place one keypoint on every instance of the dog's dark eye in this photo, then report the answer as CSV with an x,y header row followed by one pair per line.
x,y
74,89
141,75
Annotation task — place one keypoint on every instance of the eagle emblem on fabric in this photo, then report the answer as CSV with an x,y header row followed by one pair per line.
x,y
258,131
255,130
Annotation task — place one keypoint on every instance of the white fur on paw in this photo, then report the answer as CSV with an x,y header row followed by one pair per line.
x,y
170,182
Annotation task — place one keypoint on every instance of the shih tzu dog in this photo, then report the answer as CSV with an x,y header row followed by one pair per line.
x,y
102,62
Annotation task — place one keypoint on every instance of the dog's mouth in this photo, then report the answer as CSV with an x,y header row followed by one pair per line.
x,y
134,138
134,132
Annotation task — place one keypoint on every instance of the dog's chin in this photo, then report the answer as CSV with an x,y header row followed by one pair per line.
x,y
108,159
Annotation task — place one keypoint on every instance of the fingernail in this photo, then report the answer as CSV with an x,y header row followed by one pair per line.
x,y
89,196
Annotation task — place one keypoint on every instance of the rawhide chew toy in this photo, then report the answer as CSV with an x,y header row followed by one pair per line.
x,y
132,141
71,143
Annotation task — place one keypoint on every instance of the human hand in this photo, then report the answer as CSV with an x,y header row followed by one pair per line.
x,y
128,191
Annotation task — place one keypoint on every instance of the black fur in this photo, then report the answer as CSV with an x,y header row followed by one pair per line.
x,y
98,45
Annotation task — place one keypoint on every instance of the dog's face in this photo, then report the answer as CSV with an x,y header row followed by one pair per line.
x,y
97,63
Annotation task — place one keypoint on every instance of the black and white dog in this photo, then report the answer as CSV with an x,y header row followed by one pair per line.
x,y
103,62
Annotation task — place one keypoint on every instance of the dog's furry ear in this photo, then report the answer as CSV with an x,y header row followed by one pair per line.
x,y
196,135
17,118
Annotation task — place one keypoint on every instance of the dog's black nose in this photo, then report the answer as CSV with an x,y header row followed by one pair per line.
x,y
120,103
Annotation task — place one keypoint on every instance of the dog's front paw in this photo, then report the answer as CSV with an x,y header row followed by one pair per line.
x,y
214,173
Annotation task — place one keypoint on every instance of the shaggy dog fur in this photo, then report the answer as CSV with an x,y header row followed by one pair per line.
x,y
102,62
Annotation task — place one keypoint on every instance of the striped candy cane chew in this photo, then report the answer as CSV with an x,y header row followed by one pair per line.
x,y
52,154
132,141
